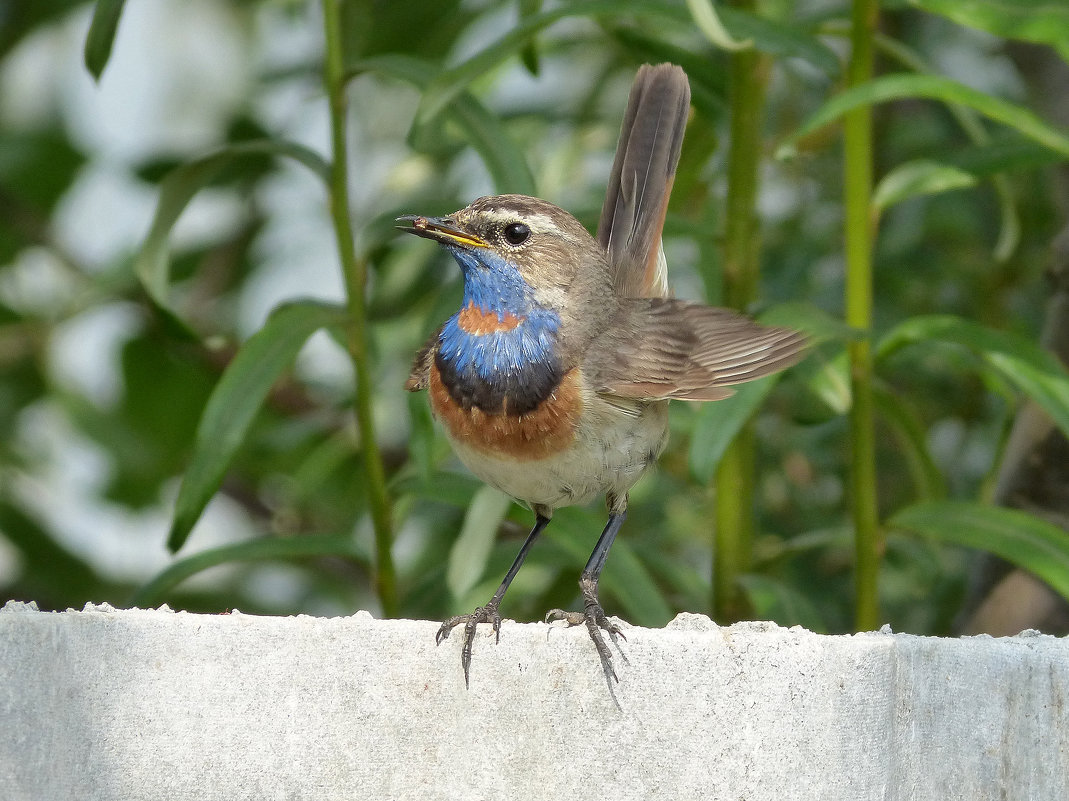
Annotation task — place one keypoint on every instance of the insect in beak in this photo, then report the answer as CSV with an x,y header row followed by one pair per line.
x,y
440,229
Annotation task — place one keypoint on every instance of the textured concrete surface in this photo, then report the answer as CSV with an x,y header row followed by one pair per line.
x,y
114,705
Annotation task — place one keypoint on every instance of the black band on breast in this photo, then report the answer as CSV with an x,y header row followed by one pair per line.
x,y
515,392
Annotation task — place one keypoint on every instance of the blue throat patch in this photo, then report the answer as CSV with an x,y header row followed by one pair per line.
x,y
508,370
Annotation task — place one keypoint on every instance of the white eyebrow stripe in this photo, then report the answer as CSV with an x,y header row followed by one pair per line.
x,y
540,222
534,220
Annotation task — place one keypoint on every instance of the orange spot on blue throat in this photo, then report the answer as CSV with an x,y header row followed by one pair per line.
x,y
473,320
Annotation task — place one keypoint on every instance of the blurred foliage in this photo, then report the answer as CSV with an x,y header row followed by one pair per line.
x,y
449,100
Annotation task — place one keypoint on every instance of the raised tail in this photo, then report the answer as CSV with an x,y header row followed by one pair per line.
x,y
641,180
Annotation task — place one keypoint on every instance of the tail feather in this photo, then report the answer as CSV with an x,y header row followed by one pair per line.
x,y
636,200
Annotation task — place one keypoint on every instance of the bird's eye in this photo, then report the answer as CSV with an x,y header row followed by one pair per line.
x,y
516,233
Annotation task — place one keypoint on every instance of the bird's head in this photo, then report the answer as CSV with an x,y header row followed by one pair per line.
x,y
519,254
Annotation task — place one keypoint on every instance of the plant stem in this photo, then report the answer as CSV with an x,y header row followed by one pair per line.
x,y
735,473
857,193
355,273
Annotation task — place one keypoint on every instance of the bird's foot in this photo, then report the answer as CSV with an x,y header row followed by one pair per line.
x,y
593,617
483,614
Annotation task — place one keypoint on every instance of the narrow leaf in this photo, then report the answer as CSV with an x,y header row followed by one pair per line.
x,y
529,54
236,399
1026,541
298,547
992,158
1032,370
963,168
919,177
153,264
829,383
907,425
454,489
776,600
767,36
814,322
485,133
470,552
1040,21
719,422
705,17
1009,235
447,84
481,129
625,577
901,87
101,36
781,39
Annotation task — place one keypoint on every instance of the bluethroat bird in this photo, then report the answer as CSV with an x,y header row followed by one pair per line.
x,y
552,382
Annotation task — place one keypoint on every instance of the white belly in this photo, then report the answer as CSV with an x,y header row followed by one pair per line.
x,y
610,452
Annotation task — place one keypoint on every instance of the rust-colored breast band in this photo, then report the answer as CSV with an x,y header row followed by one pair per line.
x,y
548,429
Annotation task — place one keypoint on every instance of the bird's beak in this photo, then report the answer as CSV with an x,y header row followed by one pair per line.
x,y
440,229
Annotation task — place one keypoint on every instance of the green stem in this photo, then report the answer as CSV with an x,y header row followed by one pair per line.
x,y
355,273
734,526
735,473
857,193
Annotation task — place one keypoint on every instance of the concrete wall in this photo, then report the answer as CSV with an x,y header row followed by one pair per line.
x,y
113,705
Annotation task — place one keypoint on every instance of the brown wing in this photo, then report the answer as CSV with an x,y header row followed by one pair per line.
x,y
420,375
683,350
636,199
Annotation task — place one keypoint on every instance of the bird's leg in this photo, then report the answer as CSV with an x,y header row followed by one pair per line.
x,y
593,616
490,613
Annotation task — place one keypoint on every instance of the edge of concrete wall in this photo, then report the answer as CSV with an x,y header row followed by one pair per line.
x,y
152,704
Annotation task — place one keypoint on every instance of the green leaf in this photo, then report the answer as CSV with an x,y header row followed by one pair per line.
x,y
625,577
767,36
990,160
153,264
824,375
101,35
471,551
901,87
50,574
829,383
1009,235
481,129
984,160
1040,21
719,422
529,53
37,166
453,489
1026,541
909,428
705,17
1032,370
963,169
422,437
919,177
784,40
485,133
298,547
776,600
814,322
236,399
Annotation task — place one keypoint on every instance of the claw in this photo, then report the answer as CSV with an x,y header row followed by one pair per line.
x,y
483,614
593,617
